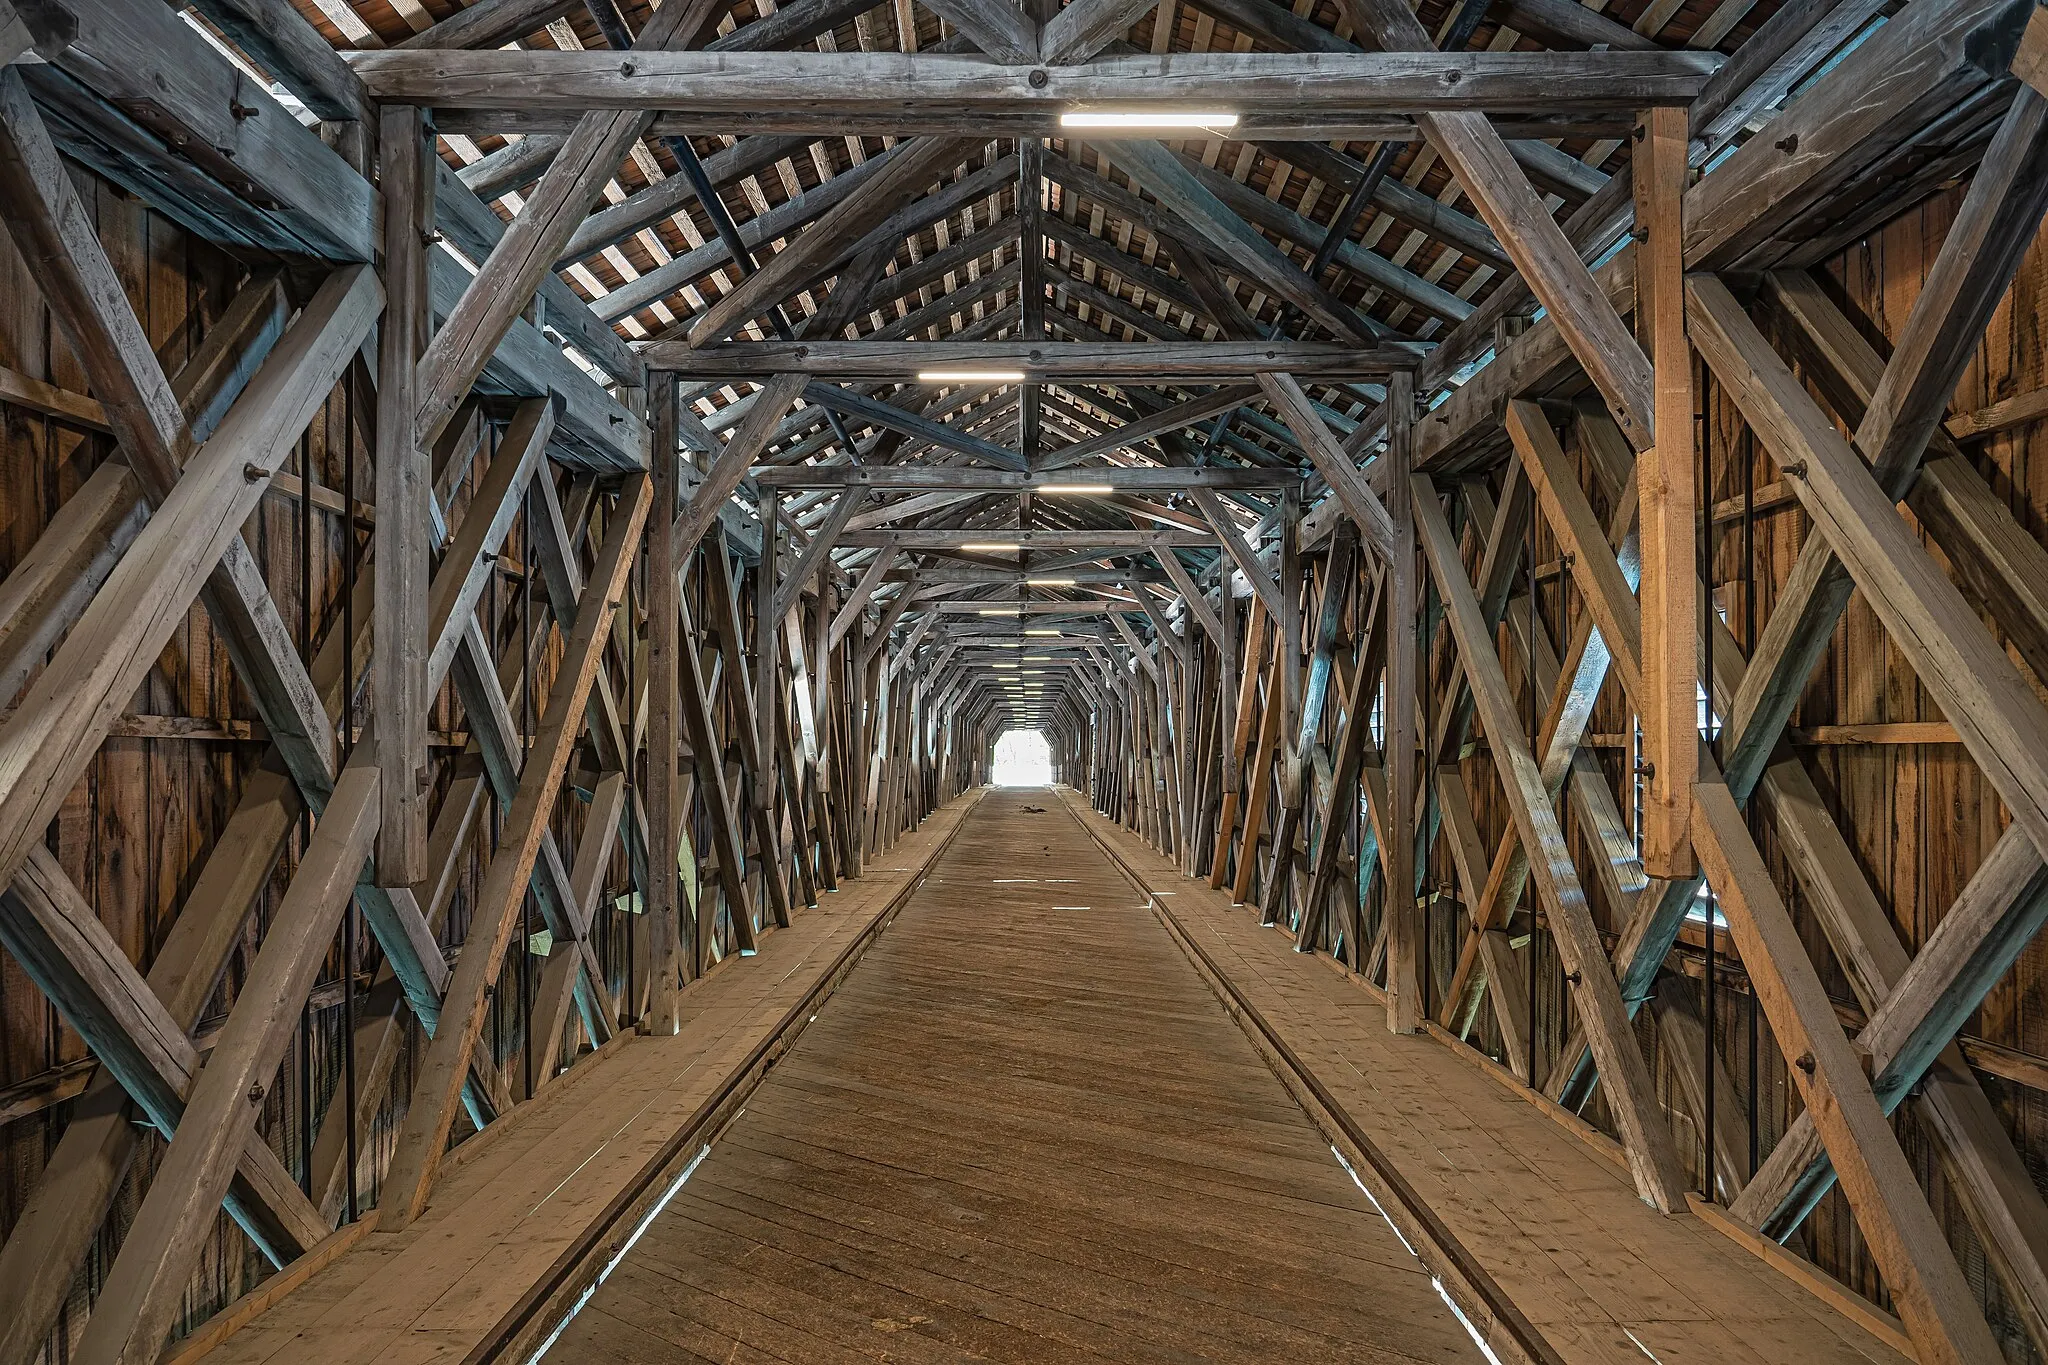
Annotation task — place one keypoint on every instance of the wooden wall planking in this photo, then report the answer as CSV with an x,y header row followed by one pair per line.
x,y
135,832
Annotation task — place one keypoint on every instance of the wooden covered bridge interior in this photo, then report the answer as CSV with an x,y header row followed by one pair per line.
x,y
526,525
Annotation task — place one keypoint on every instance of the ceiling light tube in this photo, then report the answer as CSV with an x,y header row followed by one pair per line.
x,y
993,546
1148,118
998,611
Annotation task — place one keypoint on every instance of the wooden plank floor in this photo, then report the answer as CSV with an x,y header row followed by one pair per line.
x,y
1022,1130
509,1201
1549,1212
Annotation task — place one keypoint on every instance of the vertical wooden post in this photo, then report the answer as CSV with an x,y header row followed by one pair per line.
x,y
1290,602
1404,926
1669,591
768,710
398,701
664,783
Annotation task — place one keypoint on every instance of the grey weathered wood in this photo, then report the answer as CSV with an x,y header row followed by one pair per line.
x,y
905,174
529,248
1937,1305
489,24
727,836
1998,913
733,460
664,737
1078,31
941,434
1397,835
176,1218
1211,224
47,219
997,27
1218,361
1344,478
468,559
52,931
439,1085
1992,707
849,89
856,601
815,554
57,1228
987,480
1997,221
58,724
399,693
1652,1160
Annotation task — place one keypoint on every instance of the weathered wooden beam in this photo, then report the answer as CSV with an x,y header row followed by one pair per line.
x,y
47,220
1218,362
175,1221
842,90
1998,913
1978,258
399,697
997,27
56,728
733,460
1939,1309
1008,541
814,556
873,410
1665,481
55,935
665,644
1652,1159
526,253
728,837
965,478
438,1088
1403,653
1992,707
489,24
907,171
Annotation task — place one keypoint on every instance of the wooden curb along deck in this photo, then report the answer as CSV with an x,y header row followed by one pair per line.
x,y
362,1305
1299,1013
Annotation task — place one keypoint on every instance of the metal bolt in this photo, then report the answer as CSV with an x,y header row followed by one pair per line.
x,y
1805,1063
1646,768
1038,78
256,1093
1787,144
242,111
256,473
1795,470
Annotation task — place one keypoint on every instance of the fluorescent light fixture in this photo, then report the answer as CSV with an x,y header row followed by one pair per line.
x,y
1044,632
1143,118
970,376
1002,665
1095,488
1049,582
993,546
1037,658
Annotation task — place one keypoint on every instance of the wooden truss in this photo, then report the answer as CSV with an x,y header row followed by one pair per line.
x,y
702,557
